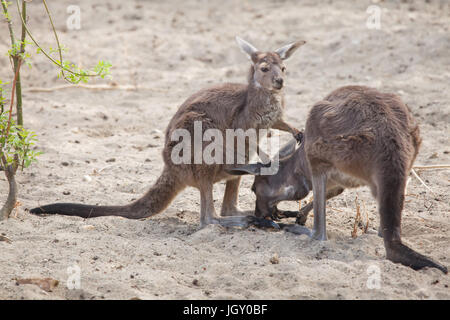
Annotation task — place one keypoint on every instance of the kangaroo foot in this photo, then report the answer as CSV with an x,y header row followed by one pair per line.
x,y
298,229
295,228
380,232
397,252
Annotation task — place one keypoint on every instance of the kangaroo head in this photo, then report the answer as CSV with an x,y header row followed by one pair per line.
x,y
268,70
289,183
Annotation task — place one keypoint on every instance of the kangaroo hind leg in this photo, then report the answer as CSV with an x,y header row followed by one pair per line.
x,y
230,198
391,191
319,232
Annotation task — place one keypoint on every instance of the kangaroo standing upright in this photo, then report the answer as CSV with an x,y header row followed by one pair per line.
x,y
257,105
356,136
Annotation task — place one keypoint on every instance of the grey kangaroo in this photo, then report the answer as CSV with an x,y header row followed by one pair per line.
x,y
356,136
256,105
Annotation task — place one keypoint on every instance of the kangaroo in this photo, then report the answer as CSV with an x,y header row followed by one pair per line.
x,y
356,136
256,105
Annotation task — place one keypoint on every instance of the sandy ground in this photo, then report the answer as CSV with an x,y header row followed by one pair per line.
x,y
172,49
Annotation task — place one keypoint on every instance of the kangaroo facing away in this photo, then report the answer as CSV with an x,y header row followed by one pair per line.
x,y
356,136
256,105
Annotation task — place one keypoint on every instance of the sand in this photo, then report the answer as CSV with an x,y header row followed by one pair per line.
x,y
170,50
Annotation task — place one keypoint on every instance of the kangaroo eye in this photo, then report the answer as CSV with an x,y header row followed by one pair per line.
x,y
283,69
264,69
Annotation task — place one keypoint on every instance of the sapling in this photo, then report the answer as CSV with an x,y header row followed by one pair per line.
x,y
16,142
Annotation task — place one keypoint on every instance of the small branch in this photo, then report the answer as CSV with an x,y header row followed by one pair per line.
x,y
2,106
12,100
56,35
8,20
24,32
421,181
439,166
17,58
94,87
45,53
338,210
366,227
357,219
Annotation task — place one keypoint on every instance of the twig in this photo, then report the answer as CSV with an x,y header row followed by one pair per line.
x,y
307,201
366,227
60,65
338,210
19,63
2,101
357,219
8,20
56,36
94,87
17,58
421,181
407,184
96,172
111,165
439,166
412,195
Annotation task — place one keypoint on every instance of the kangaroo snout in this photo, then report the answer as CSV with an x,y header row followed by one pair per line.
x,y
278,83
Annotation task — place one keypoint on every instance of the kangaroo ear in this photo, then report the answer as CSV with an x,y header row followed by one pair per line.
x,y
246,47
287,50
288,149
253,169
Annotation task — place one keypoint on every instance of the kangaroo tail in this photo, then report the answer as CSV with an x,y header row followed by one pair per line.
x,y
154,201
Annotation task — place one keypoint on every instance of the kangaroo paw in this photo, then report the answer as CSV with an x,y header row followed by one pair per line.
x,y
299,137
262,223
301,218
302,215
244,222
289,214
397,252
280,214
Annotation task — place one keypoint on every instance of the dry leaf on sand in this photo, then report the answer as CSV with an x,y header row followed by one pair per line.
x,y
46,284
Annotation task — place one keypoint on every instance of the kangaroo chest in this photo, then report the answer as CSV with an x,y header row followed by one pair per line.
x,y
269,112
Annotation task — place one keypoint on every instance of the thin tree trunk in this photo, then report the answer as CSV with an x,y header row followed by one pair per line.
x,y
2,104
18,83
8,207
